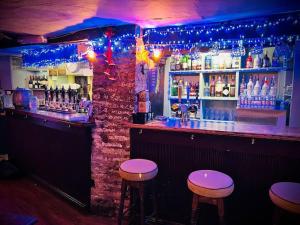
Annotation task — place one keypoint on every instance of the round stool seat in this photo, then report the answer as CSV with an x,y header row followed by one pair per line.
x,y
210,183
286,195
138,170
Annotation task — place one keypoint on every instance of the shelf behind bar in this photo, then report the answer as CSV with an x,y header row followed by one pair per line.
x,y
243,70
208,98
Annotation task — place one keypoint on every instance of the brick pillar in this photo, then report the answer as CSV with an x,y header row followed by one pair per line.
x,y
113,103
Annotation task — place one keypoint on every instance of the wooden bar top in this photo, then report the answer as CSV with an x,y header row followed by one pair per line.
x,y
223,128
76,119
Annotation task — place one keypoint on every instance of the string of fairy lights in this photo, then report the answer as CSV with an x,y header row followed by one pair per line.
x,y
254,33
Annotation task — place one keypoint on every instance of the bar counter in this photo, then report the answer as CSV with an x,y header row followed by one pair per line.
x,y
255,156
53,148
240,129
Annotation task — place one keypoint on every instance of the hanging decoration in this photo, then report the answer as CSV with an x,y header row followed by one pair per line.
x,y
110,67
215,49
266,30
238,49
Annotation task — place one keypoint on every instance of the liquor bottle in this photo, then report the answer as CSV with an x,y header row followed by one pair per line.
x,y
33,82
174,88
199,63
275,60
236,62
178,63
194,63
193,89
208,62
249,87
185,62
180,90
242,86
273,88
46,93
266,60
172,63
265,88
189,62
37,83
206,89
212,88
185,84
30,85
225,92
257,62
249,61
256,88
219,87
187,91
232,87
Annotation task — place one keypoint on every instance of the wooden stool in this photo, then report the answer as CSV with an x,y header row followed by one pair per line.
x,y
286,196
135,173
209,186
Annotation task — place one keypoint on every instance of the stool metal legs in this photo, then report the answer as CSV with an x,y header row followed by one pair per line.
x,y
121,208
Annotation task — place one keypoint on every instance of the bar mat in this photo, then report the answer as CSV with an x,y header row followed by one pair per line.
x,y
14,219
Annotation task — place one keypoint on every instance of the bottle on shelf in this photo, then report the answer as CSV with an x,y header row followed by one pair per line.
x,y
275,60
256,88
180,90
249,87
212,87
69,92
266,60
249,61
273,88
219,87
243,85
208,62
178,62
189,62
232,87
199,62
37,83
185,62
30,84
265,88
174,87
206,89
185,86
172,63
257,62
236,62
225,91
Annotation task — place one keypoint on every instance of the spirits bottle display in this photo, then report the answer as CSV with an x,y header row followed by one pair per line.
x,y
249,87
236,62
206,89
264,88
180,90
249,61
212,86
219,87
232,87
172,63
273,87
266,60
242,86
256,88
30,84
174,88
185,62
257,62
208,62
225,92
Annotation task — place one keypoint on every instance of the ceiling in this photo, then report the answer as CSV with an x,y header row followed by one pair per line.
x,y
58,17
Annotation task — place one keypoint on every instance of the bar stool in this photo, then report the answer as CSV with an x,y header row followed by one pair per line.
x,y
211,187
286,196
136,173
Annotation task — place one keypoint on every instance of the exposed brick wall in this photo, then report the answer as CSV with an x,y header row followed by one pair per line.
x,y
113,103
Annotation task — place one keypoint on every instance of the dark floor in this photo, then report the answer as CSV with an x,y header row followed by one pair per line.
x,y
23,196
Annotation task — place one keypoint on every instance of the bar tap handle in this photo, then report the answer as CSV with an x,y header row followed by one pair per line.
x,y
51,93
180,89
